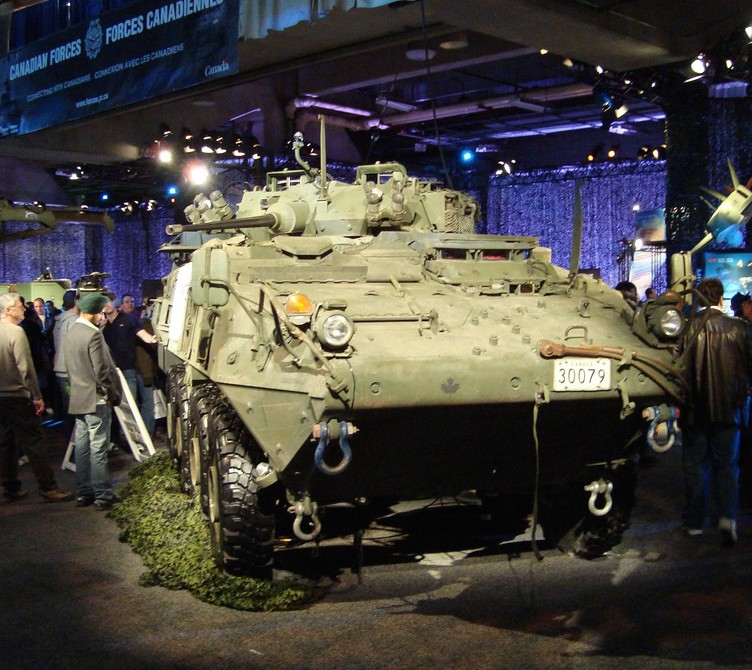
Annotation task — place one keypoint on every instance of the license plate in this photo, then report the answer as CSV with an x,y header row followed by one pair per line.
x,y
582,374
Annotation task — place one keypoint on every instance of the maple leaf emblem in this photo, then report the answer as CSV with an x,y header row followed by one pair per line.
x,y
449,386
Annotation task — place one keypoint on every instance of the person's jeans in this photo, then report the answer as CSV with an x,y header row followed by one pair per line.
x,y
143,395
710,457
92,442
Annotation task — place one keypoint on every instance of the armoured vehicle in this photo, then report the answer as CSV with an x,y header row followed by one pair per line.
x,y
359,343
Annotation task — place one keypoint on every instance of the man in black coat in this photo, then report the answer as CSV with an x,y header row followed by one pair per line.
x,y
718,355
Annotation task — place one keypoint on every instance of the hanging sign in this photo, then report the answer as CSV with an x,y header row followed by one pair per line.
x,y
132,53
650,225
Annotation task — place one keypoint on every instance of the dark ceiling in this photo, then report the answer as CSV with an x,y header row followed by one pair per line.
x,y
365,70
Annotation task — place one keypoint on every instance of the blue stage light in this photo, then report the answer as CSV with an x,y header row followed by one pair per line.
x,y
172,190
467,156
105,196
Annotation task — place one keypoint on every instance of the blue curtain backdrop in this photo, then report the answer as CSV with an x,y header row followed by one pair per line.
x,y
541,204
128,254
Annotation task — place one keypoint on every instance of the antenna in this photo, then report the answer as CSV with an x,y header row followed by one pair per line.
x,y
574,257
322,148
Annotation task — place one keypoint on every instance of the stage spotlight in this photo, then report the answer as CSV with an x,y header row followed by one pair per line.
x,y
164,130
660,152
595,153
612,108
197,173
505,167
165,155
612,152
467,156
186,137
172,190
105,197
207,143
238,149
698,65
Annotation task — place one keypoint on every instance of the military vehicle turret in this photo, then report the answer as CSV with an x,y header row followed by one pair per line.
x,y
359,343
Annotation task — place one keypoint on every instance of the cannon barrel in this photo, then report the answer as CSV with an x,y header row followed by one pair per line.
x,y
263,221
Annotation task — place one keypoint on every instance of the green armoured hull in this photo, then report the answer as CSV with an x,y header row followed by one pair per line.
x,y
368,346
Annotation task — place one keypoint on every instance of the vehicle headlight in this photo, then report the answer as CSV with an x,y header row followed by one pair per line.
x,y
667,322
334,330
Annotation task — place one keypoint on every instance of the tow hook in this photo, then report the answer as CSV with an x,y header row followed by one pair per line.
x,y
604,488
663,430
340,430
302,509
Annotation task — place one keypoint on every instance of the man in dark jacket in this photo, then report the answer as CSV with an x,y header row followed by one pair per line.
x,y
718,355
121,332
741,305
94,388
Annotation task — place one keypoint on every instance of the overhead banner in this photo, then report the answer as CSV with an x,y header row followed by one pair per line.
x,y
122,56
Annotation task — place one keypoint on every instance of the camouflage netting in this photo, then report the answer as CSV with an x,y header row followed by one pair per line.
x,y
168,531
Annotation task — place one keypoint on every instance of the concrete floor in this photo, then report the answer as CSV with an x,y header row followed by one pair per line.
x,y
437,592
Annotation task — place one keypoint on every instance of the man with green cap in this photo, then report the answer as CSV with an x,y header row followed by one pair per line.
x,y
94,389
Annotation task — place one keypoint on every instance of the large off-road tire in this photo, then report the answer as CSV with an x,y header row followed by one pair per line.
x,y
174,381
568,524
203,405
183,437
241,517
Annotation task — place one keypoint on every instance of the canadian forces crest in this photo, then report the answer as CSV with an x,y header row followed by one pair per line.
x,y
93,39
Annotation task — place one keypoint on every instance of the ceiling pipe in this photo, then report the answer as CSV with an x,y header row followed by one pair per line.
x,y
302,119
532,100
305,102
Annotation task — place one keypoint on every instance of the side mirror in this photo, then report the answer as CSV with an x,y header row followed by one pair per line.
x,y
211,276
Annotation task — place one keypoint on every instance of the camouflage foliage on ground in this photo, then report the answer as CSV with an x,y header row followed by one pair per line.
x,y
167,529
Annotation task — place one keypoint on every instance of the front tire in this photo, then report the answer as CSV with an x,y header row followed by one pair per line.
x,y
204,403
183,436
175,379
241,516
